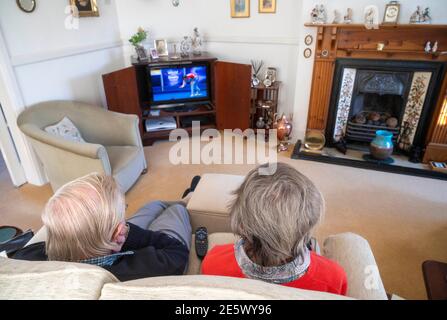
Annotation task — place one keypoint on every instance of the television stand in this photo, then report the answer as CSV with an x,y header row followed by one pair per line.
x,y
185,108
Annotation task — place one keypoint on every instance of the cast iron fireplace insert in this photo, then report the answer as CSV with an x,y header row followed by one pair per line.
x,y
370,95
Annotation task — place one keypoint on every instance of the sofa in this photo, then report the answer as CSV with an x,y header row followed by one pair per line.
x,y
113,142
59,280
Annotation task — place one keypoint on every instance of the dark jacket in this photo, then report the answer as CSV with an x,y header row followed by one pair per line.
x,y
155,254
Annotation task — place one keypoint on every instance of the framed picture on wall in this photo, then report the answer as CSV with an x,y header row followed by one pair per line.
x,y
85,8
240,8
267,6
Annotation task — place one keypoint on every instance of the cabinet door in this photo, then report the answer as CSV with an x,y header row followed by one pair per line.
x,y
121,89
232,95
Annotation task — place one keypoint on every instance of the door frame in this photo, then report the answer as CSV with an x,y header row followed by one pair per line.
x,y
12,104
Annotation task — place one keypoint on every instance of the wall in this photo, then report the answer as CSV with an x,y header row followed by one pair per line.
x,y
53,62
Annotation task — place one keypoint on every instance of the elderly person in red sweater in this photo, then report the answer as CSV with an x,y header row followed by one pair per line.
x,y
274,216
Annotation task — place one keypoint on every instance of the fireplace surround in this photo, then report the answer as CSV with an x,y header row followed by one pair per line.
x,y
370,95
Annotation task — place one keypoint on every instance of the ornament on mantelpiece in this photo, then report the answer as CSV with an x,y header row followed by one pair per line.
x,y
319,14
372,17
348,17
435,47
185,46
421,16
197,42
428,47
337,17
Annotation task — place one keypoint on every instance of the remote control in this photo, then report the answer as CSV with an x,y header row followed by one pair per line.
x,y
201,242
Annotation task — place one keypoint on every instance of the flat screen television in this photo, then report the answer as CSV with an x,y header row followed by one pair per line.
x,y
176,85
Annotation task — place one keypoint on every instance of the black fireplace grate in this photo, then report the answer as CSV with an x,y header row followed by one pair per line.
x,y
367,132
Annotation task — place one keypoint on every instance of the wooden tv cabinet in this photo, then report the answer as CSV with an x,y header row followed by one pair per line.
x,y
229,107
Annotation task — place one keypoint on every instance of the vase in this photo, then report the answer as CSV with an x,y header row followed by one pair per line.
x,y
382,146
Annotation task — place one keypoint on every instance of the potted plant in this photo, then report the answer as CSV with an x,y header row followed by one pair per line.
x,y
137,39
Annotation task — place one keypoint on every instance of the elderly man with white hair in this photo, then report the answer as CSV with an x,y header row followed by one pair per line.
x,y
85,222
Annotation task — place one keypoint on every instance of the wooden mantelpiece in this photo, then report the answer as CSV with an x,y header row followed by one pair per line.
x,y
354,41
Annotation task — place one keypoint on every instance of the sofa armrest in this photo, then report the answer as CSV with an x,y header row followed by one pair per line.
x,y
354,254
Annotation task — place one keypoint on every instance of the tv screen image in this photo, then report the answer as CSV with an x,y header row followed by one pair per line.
x,y
174,84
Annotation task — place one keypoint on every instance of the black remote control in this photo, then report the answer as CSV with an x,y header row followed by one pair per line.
x,y
201,242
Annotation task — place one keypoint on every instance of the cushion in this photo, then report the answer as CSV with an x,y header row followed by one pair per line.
x,y
206,288
51,280
209,203
66,130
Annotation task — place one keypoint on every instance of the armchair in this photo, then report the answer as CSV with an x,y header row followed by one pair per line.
x,y
113,147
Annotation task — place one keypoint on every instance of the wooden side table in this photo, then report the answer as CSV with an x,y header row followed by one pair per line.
x,y
435,277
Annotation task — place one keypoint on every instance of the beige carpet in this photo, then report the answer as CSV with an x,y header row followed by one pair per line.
x,y
404,218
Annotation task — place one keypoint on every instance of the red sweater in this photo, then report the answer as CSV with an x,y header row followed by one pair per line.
x,y
323,274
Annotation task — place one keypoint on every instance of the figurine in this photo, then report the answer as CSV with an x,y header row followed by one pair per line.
x,y
348,17
428,47
372,17
421,17
426,18
337,17
196,43
319,15
185,46
435,47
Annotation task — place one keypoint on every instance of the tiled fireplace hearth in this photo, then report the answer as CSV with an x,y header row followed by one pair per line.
x,y
370,95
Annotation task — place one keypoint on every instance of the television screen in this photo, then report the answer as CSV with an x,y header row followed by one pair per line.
x,y
179,84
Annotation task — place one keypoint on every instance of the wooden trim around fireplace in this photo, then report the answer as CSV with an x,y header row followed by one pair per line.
x,y
354,41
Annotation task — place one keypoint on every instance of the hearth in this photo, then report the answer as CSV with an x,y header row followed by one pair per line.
x,y
372,95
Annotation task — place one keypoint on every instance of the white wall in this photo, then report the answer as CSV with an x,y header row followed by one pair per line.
x,y
53,62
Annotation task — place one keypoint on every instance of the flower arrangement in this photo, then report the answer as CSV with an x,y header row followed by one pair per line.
x,y
138,37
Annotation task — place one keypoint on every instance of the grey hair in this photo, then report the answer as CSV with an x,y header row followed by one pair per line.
x,y
275,214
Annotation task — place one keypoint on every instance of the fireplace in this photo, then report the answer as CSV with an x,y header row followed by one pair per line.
x,y
370,95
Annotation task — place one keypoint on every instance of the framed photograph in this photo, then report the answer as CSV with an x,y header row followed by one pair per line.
x,y
154,54
85,8
162,48
267,6
142,54
240,8
392,11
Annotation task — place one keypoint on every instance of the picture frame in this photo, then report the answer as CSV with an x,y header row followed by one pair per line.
x,y
392,12
161,46
240,8
154,54
267,6
308,40
85,8
142,54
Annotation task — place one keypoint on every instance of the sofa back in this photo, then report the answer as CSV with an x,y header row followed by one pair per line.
x,y
26,280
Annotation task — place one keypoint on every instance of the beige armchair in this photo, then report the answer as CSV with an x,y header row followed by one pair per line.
x,y
113,147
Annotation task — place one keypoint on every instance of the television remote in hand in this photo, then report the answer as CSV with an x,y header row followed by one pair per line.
x,y
201,242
